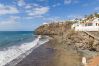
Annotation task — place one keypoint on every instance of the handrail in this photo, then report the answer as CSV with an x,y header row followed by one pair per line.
x,y
95,37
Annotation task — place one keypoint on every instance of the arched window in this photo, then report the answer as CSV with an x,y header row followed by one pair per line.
x,y
97,24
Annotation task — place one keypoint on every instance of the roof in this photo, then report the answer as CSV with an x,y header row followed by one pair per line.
x,y
96,20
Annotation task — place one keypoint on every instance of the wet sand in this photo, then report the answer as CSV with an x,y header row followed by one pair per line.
x,y
40,56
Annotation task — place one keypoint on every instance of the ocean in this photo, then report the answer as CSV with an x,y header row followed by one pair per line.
x,y
15,43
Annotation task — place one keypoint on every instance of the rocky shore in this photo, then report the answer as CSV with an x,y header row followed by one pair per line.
x,y
70,44
67,36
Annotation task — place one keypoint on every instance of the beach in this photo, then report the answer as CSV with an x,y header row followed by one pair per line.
x,y
49,32
65,48
49,55
58,51
40,56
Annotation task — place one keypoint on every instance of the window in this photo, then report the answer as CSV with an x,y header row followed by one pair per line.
x,y
97,24
85,24
89,24
77,25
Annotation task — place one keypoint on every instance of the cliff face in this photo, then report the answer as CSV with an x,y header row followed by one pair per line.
x,y
59,32
64,39
63,34
53,28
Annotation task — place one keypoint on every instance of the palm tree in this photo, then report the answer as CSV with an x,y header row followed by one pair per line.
x,y
96,14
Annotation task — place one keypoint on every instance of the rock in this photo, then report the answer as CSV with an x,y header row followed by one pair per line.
x,y
96,42
97,48
53,28
65,36
79,45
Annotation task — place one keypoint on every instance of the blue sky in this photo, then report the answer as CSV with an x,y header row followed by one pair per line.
x,y
26,15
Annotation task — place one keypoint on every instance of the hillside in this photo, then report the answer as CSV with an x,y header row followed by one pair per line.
x,y
69,37
64,39
53,28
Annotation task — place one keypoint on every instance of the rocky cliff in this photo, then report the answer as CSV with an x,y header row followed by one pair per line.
x,y
63,33
69,44
53,28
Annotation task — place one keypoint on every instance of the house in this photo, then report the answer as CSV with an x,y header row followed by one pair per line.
x,y
45,23
89,25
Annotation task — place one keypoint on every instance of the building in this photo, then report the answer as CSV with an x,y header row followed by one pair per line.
x,y
89,25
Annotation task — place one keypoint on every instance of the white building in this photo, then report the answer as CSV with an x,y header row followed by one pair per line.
x,y
45,23
90,25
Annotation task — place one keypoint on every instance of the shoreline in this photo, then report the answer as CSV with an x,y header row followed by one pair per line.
x,y
49,55
52,54
67,48
39,42
41,56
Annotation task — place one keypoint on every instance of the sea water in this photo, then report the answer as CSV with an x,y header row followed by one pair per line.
x,y
15,43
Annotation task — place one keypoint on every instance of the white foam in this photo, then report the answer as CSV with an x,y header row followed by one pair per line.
x,y
11,53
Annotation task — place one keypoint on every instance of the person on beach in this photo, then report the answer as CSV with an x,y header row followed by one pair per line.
x,y
84,61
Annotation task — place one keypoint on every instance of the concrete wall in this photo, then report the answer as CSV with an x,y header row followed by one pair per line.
x,y
87,28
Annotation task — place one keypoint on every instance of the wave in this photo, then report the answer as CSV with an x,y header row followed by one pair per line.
x,y
6,56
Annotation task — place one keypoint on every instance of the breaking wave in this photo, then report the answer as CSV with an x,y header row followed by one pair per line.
x,y
7,55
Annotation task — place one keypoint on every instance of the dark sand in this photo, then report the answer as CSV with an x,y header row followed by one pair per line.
x,y
46,55
40,56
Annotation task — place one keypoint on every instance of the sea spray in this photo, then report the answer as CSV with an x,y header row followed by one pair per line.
x,y
22,56
13,52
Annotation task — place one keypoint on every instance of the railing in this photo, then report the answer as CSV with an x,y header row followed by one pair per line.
x,y
91,35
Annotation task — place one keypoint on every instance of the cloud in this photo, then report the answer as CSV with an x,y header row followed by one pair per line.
x,y
14,17
67,1
8,10
32,9
42,0
38,11
7,23
74,16
28,6
29,17
35,5
70,1
53,19
97,8
55,5
21,3
10,23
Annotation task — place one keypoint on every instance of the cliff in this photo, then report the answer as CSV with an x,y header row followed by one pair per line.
x,y
68,42
53,28
63,33
59,31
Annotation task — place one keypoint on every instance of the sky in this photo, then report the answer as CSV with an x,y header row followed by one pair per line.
x,y
27,15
